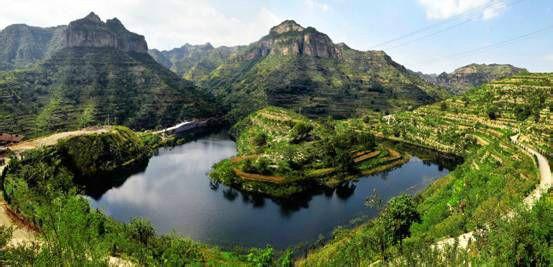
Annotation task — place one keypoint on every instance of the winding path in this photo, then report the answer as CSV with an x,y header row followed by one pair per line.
x,y
546,181
21,233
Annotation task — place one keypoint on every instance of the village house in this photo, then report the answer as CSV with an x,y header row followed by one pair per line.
x,y
9,139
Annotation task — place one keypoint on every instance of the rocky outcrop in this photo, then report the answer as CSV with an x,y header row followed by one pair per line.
x,y
22,45
91,31
291,39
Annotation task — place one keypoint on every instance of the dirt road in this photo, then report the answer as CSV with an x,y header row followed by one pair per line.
x,y
21,233
546,181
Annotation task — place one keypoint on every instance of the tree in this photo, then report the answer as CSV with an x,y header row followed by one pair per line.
x,y
398,217
141,230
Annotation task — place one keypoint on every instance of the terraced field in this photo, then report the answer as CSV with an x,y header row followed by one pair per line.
x,y
280,152
494,180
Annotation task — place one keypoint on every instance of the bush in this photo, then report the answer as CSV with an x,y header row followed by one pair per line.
x,y
398,217
262,166
141,230
261,257
443,106
300,132
260,139
492,113
5,235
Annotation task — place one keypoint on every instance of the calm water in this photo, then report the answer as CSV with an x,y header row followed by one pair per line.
x,y
175,194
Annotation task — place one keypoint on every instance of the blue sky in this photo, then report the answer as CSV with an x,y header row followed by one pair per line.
x,y
466,25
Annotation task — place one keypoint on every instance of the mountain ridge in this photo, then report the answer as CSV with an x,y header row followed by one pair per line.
x,y
470,76
101,75
301,68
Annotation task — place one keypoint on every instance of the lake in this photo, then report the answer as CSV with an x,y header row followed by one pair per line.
x,y
174,193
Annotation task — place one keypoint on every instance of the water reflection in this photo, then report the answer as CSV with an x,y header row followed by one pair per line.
x,y
174,192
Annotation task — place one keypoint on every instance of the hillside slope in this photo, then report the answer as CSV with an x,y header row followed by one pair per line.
x,y
101,75
474,75
22,45
193,62
495,178
303,70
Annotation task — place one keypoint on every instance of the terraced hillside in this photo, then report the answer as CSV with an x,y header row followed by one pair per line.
x,y
102,75
281,153
303,70
495,177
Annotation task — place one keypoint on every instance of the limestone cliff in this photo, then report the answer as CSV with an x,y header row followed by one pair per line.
x,y
91,31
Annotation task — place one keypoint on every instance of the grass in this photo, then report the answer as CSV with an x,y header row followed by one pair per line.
x,y
493,180
282,150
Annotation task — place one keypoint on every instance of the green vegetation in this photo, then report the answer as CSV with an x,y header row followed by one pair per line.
x,y
303,71
494,178
467,77
79,87
281,153
42,186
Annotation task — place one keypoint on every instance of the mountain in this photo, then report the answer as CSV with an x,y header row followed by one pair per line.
x,y
473,75
193,62
22,45
302,69
101,73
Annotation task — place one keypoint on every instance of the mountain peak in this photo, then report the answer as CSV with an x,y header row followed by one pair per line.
x,y
287,26
91,31
93,17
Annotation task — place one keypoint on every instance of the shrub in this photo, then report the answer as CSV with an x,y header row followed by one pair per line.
x,y
300,132
492,113
260,139
141,230
261,257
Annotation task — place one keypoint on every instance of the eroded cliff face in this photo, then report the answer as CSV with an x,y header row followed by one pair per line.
x,y
91,31
291,39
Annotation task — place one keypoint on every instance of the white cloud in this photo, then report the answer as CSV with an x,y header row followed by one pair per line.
x,y
444,9
164,23
315,4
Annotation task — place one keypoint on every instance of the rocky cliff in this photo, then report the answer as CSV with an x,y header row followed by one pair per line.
x,y
91,31
101,74
291,39
22,45
301,68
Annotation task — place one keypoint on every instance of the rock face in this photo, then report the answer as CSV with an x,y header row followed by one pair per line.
x,y
91,31
291,39
465,78
300,68
22,45
99,74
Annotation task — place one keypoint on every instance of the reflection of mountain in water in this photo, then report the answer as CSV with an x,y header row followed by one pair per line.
x,y
96,187
175,193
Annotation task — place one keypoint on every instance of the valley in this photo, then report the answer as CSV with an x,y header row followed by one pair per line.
x,y
292,150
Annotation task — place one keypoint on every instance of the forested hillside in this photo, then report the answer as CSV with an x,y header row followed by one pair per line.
x,y
303,70
102,75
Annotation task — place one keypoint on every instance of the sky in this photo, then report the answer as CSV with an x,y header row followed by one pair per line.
x,y
431,36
